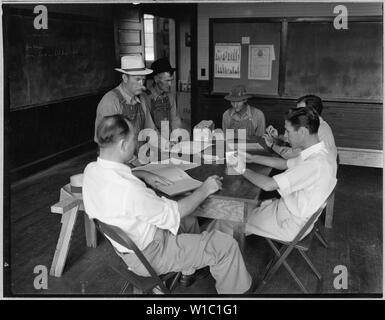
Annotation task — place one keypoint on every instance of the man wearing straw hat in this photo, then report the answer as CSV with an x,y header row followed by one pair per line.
x,y
128,98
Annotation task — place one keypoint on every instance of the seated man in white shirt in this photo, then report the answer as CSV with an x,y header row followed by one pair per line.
x,y
325,133
112,194
304,186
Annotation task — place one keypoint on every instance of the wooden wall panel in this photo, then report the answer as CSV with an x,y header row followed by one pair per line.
x,y
42,136
355,125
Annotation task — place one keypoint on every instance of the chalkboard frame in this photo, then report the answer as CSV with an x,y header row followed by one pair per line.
x,y
285,21
8,12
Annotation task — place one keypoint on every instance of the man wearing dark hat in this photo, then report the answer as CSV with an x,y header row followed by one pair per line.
x,y
128,97
162,100
242,115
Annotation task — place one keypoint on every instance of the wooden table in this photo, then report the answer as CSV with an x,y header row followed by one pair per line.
x,y
234,202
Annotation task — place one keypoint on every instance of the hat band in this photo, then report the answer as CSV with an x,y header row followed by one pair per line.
x,y
135,69
76,189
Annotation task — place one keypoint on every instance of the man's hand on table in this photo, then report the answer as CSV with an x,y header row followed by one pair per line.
x,y
211,185
250,158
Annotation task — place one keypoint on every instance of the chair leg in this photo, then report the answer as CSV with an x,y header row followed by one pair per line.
x,y
125,286
175,281
281,259
311,265
321,239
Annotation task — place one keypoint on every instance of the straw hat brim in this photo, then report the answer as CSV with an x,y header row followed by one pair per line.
x,y
135,72
237,99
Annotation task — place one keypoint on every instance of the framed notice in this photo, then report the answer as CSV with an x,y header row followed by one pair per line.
x,y
260,62
227,60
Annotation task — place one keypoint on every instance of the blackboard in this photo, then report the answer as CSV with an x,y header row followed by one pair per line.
x,y
259,33
340,64
75,56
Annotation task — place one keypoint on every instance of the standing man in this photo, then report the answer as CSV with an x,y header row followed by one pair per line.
x,y
242,115
162,100
113,195
128,98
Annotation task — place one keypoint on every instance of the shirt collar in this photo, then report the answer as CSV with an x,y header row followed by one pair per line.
x,y
131,99
156,92
108,164
248,112
315,148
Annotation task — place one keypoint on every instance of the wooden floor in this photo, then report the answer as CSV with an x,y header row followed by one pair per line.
x,y
355,241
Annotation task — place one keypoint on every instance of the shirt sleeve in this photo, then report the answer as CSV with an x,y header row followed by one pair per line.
x,y
297,176
108,106
158,211
286,152
325,134
259,123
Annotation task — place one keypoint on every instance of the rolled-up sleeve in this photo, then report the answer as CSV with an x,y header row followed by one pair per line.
x,y
296,177
158,211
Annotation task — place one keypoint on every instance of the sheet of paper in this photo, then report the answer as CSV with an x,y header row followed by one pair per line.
x,y
260,62
182,182
190,147
180,187
227,60
168,163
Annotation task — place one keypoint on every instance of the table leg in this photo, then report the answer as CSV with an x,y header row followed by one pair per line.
x,y
90,228
329,212
68,221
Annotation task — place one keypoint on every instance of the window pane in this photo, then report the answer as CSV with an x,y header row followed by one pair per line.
x,y
149,26
149,39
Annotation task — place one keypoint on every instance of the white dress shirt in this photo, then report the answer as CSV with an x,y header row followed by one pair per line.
x,y
325,134
306,184
113,195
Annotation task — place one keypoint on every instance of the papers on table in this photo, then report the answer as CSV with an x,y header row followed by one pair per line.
x,y
168,163
190,147
250,146
182,182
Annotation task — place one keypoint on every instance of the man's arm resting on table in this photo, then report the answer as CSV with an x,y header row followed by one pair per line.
x,y
188,204
266,183
273,162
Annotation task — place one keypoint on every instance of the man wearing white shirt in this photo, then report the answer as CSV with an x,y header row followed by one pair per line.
x,y
325,133
304,186
112,194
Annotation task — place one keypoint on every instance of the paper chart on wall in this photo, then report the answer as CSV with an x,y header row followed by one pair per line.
x,y
261,59
227,60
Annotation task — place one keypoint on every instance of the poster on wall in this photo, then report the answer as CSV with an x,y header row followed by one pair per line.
x,y
261,59
227,60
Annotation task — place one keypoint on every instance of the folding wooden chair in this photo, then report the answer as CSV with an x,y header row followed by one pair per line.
x,y
141,284
301,245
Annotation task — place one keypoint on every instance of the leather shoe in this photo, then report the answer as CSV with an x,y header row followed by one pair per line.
x,y
188,280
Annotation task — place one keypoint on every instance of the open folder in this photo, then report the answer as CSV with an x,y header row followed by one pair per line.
x,y
182,182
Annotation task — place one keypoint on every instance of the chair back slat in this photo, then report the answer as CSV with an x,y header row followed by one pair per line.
x,y
124,240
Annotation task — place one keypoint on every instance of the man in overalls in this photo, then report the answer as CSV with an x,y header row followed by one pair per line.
x,y
162,100
242,115
128,97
